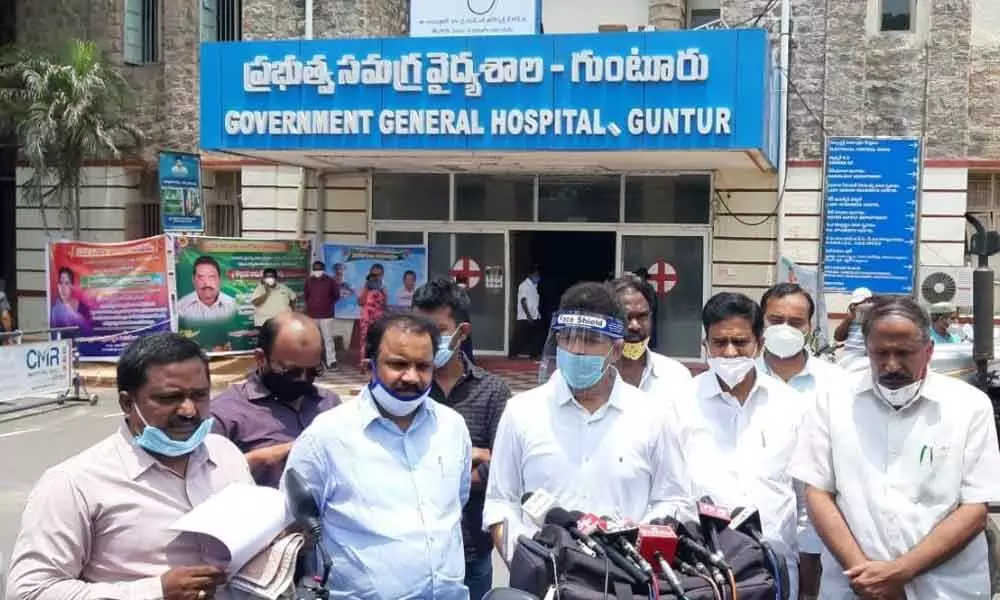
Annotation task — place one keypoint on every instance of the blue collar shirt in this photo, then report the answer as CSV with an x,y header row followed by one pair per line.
x,y
391,499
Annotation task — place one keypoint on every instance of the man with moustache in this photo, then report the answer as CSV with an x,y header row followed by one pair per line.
x,y
98,524
390,472
207,302
264,414
739,432
899,469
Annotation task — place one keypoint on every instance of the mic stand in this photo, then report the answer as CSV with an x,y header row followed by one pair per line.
x,y
317,589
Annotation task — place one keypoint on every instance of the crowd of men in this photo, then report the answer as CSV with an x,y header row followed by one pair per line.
x,y
873,486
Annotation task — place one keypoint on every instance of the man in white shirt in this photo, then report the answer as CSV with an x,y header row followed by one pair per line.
x,y
528,332
852,355
739,434
207,302
654,373
788,320
594,442
899,471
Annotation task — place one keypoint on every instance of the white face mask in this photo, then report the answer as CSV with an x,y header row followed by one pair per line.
x,y
317,274
269,281
901,396
394,404
784,341
731,370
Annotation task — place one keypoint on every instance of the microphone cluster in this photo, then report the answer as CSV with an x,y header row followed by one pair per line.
x,y
660,549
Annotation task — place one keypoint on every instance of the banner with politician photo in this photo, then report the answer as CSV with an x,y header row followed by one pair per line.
x,y
216,278
395,271
110,293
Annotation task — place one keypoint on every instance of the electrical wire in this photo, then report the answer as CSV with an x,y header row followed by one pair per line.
x,y
732,582
607,575
776,569
715,588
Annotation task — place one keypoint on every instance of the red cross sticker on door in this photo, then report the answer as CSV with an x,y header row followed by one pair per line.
x,y
467,268
662,276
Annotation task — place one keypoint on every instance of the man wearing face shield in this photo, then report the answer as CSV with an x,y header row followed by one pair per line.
x,y
390,472
788,315
98,524
594,442
264,414
899,469
651,372
739,432
480,397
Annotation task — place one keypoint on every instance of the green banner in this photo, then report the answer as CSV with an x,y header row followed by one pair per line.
x,y
215,278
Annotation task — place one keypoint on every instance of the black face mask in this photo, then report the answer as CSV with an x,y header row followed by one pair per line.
x,y
285,388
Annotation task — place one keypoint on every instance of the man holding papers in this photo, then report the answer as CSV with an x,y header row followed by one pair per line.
x,y
390,472
98,524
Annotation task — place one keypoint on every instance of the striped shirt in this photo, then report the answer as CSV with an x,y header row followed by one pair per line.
x,y
480,397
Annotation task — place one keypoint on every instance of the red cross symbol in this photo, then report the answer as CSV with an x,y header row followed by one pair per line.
x,y
662,276
468,268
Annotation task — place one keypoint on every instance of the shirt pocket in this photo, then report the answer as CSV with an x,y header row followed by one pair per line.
x,y
772,450
440,476
937,475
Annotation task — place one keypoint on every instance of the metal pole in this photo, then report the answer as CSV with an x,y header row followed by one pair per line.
x,y
309,20
785,60
300,210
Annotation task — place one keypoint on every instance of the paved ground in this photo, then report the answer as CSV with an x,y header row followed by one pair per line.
x,y
31,442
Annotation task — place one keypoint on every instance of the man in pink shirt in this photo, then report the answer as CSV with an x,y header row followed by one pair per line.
x,y
97,525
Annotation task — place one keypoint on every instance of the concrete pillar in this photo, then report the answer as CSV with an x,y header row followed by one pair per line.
x,y
667,14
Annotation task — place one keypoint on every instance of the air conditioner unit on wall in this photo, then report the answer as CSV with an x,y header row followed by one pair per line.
x,y
945,284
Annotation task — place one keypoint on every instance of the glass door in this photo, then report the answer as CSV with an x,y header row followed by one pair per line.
x,y
675,267
481,259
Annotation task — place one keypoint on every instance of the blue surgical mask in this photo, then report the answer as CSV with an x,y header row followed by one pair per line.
x,y
581,371
393,404
155,440
444,351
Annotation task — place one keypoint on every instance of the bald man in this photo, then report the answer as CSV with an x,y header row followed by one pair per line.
x,y
264,414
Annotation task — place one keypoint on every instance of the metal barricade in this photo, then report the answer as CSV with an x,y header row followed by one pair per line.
x,y
40,366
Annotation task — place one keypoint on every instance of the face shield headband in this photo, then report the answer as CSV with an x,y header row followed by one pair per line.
x,y
569,333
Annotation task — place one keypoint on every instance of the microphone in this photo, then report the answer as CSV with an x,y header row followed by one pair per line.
x,y
624,535
673,582
746,520
712,519
657,539
687,543
536,505
580,526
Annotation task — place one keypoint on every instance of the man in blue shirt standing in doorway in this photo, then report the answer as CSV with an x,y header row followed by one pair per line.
x,y
391,472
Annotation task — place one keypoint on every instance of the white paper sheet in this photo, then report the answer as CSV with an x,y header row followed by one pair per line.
x,y
242,517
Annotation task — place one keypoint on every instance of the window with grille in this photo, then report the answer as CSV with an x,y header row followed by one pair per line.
x,y
221,20
142,32
983,199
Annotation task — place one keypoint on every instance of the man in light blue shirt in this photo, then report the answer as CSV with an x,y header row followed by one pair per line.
x,y
391,472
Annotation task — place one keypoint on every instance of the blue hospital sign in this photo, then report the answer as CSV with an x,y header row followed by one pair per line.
x,y
679,90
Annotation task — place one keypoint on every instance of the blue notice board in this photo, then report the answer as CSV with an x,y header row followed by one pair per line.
x,y
181,207
872,188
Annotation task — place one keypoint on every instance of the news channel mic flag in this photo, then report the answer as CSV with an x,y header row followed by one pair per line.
x,y
404,270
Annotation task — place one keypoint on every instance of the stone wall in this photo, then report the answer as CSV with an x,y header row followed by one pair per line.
x,y
49,23
847,78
